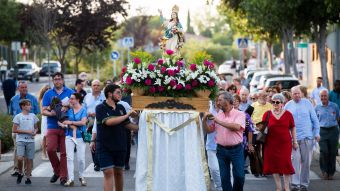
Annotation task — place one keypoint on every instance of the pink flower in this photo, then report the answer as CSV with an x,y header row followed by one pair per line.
x,y
151,67
193,67
194,83
173,83
171,72
206,63
160,61
137,60
152,89
124,69
129,80
179,86
211,66
177,70
169,52
188,87
163,70
211,83
161,88
148,82
179,63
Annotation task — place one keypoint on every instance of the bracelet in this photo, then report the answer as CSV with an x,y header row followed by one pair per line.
x,y
93,140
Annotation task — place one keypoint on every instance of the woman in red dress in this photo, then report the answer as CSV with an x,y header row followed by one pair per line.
x,y
278,146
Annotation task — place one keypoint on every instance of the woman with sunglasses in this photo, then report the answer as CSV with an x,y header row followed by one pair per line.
x,y
278,145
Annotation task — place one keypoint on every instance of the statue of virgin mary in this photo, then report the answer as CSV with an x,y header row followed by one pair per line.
x,y
173,38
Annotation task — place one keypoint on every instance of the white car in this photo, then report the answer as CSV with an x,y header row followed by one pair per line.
x,y
286,82
49,68
265,77
256,79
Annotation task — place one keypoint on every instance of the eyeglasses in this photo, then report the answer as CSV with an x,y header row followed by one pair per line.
x,y
118,93
57,79
276,102
253,98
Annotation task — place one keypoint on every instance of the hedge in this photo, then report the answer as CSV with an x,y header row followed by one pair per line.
x,y
6,128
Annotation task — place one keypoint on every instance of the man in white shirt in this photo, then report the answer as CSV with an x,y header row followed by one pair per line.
x,y
3,69
316,92
91,100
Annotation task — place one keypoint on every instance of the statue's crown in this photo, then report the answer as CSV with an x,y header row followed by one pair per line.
x,y
175,8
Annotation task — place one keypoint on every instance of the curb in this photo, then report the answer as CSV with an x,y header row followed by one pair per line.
x,y
6,162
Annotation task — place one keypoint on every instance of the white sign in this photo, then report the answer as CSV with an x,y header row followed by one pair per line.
x,y
15,45
242,43
128,42
114,55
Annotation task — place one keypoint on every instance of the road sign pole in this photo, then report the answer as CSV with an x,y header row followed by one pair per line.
x,y
128,55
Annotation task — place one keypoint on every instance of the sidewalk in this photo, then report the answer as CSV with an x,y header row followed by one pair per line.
x,y
6,162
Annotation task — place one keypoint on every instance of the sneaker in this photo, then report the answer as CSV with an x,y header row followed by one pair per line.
x,y
54,178
82,181
15,174
19,178
303,188
28,181
69,183
127,167
294,188
74,141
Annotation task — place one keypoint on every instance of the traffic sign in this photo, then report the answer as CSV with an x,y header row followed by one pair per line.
x,y
242,43
114,55
302,45
128,42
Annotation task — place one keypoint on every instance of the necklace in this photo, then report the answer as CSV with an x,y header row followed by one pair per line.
x,y
277,113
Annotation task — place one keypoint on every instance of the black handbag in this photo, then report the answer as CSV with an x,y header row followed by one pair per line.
x,y
262,135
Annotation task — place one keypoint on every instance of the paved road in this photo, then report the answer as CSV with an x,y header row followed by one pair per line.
x,y
43,171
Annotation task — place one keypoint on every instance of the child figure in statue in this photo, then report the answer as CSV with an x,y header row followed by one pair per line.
x,y
173,38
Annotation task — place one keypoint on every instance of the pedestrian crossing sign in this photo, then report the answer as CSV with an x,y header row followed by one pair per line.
x,y
242,43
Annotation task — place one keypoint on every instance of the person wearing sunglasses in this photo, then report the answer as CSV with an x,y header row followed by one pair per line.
x,y
278,145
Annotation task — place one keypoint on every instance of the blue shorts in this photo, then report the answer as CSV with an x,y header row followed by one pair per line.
x,y
111,159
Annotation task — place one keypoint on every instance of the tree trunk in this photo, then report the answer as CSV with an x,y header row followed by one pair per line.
x,y
270,55
62,48
292,55
285,51
320,43
78,59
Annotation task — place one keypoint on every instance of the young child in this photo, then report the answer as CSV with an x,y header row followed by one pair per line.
x,y
25,126
60,107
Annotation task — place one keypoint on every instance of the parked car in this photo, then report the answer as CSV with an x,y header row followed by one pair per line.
x,y
49,68
26,71
286,82
265,77
256,79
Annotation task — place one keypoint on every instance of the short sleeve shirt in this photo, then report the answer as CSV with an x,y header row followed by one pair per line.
x,y
47,99
327,114
76,117
112,138
25,122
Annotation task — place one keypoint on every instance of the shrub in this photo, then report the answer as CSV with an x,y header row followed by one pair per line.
x,y
6,128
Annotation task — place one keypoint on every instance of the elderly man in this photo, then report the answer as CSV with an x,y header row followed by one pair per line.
x,y
229,125
245,103
56,135
91,100
307,131
15,109
328,114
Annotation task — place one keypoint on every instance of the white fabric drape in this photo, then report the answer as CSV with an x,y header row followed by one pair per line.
x,y
177,160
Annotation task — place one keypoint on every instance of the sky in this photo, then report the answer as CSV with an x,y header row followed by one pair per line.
x,y
151,7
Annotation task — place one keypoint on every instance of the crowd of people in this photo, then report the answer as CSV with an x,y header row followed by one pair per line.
x,y
294,124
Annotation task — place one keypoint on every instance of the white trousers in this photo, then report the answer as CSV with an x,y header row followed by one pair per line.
x,y
301,162
214,169
70,156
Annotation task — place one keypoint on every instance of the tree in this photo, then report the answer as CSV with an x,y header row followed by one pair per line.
x,y
9,27
86,24
190,29
137,27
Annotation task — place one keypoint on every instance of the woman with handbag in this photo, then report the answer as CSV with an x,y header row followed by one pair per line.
x,y
77,116
278,145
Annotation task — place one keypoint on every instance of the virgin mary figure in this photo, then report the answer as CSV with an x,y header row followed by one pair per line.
x,y
173,38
